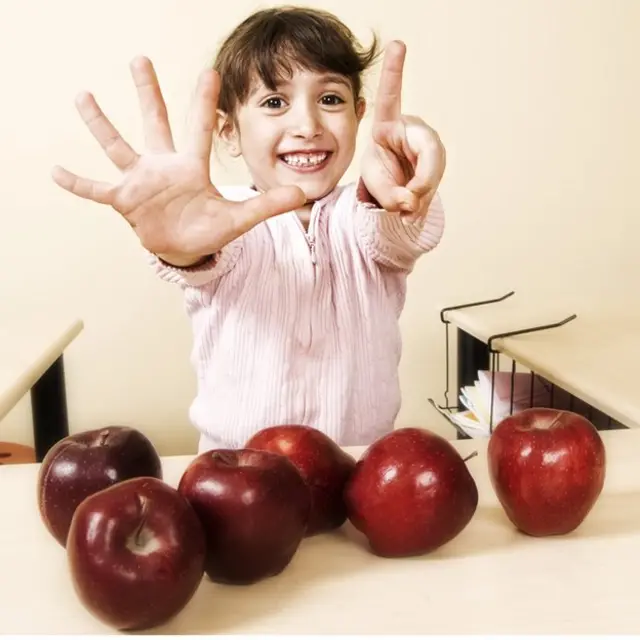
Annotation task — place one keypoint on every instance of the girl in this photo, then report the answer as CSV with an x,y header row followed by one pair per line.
x,y
294,284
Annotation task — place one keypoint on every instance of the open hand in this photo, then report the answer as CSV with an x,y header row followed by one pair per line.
x,y
166,195
405,160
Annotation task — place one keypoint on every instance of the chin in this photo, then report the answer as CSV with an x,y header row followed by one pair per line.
x,y
316,190
315,185
316,194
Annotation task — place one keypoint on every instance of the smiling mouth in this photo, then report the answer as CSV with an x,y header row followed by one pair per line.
x,y
306,161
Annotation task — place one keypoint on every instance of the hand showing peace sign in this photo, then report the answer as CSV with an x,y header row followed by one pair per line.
x,y
405,161
165,195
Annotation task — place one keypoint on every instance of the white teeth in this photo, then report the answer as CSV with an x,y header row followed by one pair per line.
x,y
304,159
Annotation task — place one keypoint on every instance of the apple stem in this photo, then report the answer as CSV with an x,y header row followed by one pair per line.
x,y
104,436
558,417
471,455
143,514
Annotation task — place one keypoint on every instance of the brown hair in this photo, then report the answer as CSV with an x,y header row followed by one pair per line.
x,y
271,42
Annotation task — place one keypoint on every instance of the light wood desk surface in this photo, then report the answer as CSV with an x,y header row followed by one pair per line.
x,y
489,580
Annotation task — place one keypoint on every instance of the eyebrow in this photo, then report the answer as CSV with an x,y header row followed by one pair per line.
x,y
337,79
329,78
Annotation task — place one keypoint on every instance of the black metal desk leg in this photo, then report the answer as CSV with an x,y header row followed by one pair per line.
x,y
49,409
473,355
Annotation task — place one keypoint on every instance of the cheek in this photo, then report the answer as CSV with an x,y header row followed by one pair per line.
x,y
259,140
345,133
266,143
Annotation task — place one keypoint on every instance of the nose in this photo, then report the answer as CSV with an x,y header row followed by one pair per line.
x,y
307,122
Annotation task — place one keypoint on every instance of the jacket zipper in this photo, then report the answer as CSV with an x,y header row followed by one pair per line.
x,y
311,241
312,248
310,235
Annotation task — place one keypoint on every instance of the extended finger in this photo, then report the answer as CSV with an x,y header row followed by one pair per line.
x,y
157,131
388,99
101,192
118,151
203,116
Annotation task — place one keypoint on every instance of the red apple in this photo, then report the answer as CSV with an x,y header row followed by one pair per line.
x,y
254,507
411,492
136,553
82,464
322,463
547,468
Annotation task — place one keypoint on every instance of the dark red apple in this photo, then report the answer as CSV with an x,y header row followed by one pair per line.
x,y
547,468
254,507
411,492
83,463
136,553
322,463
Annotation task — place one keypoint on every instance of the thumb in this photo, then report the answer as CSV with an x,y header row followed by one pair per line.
x,y
271,203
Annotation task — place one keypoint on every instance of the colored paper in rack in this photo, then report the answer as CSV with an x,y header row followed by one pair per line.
x,y
476,398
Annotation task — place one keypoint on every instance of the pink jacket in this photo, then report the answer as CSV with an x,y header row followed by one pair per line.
x,y
302,328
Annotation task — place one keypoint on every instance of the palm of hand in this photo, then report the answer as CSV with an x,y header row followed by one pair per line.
x,y
167,196
163,199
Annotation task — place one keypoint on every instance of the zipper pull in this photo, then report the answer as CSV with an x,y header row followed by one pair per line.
x,y
312,247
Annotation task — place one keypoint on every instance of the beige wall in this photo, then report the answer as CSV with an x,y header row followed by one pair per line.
x,y
537,102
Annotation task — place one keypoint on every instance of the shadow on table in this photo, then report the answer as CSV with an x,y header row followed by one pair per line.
x,y
613,515
225,609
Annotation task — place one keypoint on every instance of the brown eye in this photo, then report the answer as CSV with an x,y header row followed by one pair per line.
x,y
332,100
273,103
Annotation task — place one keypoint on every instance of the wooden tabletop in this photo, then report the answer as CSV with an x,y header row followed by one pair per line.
x,y
31,340
489,580
595,356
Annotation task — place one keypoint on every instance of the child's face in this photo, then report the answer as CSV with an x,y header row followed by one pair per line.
x,y
302,134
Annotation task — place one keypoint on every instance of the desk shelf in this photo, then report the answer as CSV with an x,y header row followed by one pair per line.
x,y
589,357
33,341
